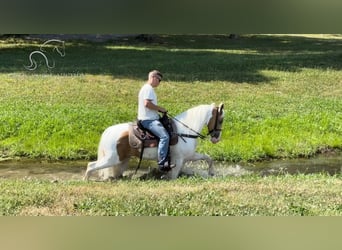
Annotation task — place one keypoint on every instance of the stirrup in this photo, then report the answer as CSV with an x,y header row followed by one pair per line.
x,y
166,167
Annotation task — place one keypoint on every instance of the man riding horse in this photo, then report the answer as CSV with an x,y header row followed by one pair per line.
x,y
148,118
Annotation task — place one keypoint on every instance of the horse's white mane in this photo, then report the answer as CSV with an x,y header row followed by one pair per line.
x,y
196,117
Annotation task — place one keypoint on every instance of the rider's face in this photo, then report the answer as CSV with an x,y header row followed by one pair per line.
x,y
156,80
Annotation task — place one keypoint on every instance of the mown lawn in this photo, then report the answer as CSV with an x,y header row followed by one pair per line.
x,y
300,195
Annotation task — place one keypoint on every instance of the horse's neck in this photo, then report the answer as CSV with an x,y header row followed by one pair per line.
x,y
194,118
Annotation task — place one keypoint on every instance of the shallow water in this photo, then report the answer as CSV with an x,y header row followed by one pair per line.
x,y
29,169
74,170
328,165
331,165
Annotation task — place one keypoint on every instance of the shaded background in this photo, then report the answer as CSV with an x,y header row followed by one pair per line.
x,y
287,53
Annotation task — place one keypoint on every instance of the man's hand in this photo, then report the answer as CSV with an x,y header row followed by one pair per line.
x,y
162,110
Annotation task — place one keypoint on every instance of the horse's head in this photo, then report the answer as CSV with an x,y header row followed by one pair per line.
x,y
215,123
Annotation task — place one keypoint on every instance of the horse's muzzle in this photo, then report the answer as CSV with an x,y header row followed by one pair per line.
x,y
214,140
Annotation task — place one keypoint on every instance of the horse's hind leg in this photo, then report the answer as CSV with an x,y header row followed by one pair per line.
x,y
115,171
123,166
107,173
90,166
103,163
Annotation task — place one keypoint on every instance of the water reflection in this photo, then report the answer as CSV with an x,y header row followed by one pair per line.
x,y
71,170
322,164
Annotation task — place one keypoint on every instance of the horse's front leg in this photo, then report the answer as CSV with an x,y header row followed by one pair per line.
x,y
174,173
202,157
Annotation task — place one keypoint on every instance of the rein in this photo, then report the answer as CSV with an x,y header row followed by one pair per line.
x,y
198,135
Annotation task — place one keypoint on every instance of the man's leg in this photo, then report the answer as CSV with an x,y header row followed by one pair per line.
x,y
164,139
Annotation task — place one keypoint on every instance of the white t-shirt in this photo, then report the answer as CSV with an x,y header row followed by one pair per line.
x,y
147,93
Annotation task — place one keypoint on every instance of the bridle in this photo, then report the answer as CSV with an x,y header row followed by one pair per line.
x,y
215,131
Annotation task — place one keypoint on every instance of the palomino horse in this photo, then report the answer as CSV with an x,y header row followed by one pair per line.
x,y
114,150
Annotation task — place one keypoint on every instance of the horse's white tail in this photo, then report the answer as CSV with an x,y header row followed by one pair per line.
x,y
108,161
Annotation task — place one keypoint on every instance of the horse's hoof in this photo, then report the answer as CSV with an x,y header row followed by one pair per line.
x,y
211,173
86,177
164,177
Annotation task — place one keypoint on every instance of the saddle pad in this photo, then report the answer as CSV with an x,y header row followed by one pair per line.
x,y
137,136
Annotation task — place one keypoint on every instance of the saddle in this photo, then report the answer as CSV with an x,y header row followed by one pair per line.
x,y
139,137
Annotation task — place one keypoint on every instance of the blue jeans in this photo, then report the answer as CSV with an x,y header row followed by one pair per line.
x,y
155,127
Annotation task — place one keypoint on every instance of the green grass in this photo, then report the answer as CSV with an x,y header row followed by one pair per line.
x,y
282,94
300,195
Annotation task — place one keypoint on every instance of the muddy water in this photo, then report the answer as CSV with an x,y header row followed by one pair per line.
x,y
29,169
331,165
74,170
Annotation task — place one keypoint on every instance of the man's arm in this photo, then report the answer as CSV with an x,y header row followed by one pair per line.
x,y
149,104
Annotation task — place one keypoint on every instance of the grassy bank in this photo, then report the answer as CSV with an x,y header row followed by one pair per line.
x,y
234,196
282,93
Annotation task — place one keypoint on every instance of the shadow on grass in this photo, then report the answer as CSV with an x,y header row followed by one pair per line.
x,y
184,58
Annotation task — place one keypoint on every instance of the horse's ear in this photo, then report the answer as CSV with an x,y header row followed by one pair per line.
x,y
221,106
